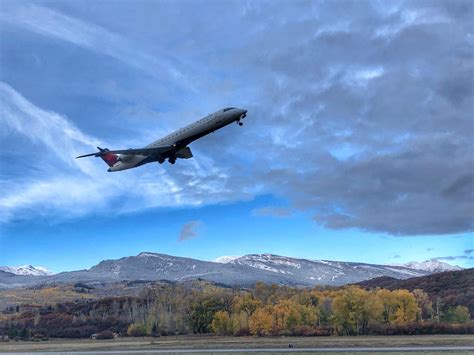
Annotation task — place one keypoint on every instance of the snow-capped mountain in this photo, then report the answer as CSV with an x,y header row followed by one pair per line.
x,y
324,272
225,259
28,270
235,271
431,266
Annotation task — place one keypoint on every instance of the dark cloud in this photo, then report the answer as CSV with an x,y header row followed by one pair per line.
x,y
272,211
189,230
367,120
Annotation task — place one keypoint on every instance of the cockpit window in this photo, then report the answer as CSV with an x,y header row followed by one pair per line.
x,y
228,108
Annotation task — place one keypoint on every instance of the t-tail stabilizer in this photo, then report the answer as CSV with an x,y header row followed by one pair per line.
x,y
107,156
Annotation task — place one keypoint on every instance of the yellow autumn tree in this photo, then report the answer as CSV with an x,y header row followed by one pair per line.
x,y
387,304
350,310
246,303
407,307
261,322
221,323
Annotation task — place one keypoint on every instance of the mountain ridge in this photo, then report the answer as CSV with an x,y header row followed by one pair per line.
x,y
241,271
454,287
431,265
26,270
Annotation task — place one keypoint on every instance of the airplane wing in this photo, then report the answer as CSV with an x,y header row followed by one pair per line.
x,y
139,151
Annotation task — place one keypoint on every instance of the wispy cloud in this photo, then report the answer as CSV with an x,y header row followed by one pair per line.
x,y
55,131
457,257
55,24
468,251
58,185
58,181
189,230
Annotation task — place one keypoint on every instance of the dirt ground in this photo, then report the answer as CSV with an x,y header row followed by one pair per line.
x,y
216,342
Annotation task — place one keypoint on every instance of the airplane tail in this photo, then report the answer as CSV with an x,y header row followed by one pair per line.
x,y
109,158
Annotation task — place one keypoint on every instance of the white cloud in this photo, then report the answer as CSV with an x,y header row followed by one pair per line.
x,y
61,186
43,197
56,132
47,22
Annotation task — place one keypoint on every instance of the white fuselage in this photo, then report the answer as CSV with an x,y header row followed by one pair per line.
x,y
182,137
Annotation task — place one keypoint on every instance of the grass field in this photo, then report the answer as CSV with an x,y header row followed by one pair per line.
x,y
214,342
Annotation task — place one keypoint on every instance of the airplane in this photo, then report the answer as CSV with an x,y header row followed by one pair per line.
x,y
173,146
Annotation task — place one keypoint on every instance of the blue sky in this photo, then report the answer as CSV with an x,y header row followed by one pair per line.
x,y
357,145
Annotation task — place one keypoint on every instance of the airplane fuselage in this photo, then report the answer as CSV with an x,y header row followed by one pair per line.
x,y
179,139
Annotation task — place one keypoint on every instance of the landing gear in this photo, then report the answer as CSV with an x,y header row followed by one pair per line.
x,y
160,160
239,122
172,160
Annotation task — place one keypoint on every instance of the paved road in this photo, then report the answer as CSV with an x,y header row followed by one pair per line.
x,y
296,350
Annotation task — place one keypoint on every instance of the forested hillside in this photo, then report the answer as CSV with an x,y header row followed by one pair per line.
x,y
451,288
201,307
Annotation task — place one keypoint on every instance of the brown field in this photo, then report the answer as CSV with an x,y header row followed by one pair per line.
x,y
66,292
216,342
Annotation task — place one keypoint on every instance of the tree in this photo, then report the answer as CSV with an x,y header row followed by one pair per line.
x,y
459,314
351,310
438,313
324,309
388,304
203,311
407,309
261,322
221,323
424,303
246,303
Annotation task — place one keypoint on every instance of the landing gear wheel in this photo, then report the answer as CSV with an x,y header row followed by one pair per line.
x,y
241,124
172,160
161,161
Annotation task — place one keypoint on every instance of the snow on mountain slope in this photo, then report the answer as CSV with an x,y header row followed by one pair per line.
x,y
431,266
225,259
236,271
323,271
28,270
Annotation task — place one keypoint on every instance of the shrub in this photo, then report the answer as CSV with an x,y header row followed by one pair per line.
x,y
137,330
242,331
106,334
304,331
459,314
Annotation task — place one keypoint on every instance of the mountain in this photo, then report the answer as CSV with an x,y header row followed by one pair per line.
x,y
241,271
431,266
453,287
321,272
26,270
225,259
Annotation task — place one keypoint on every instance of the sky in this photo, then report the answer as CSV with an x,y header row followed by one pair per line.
x,y
357,144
